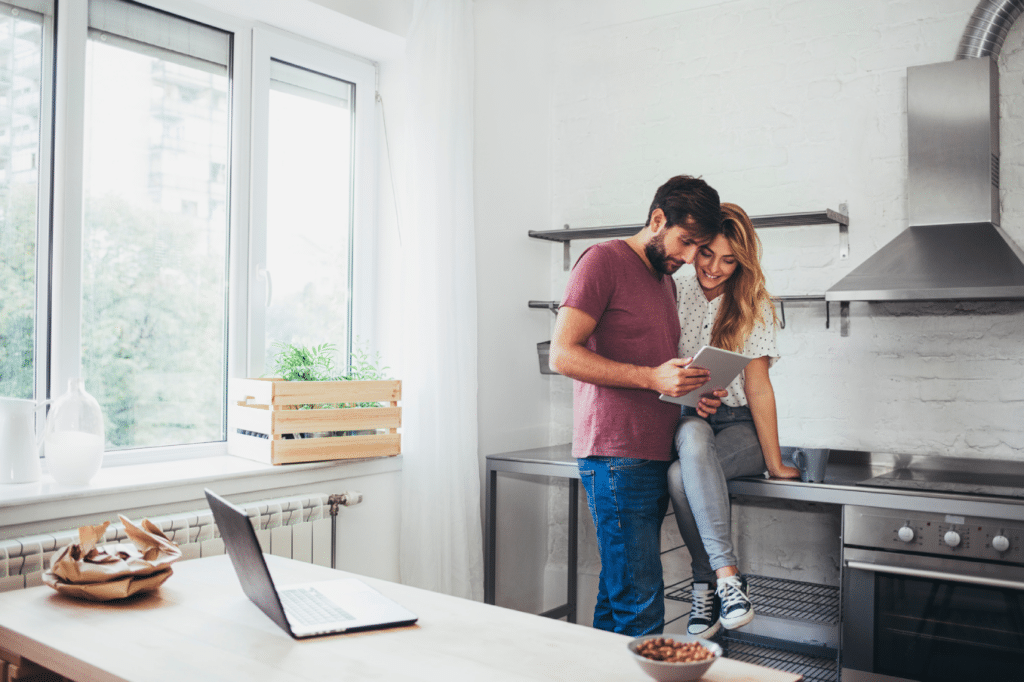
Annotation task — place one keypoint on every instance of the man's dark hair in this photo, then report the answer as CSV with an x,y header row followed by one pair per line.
x,y
683,198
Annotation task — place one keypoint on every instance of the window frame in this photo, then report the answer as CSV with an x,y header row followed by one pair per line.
x,y
271,44
44,209
59,253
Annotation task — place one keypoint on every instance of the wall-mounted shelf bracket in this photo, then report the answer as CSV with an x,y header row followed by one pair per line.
x,y
844,311
782,300
827,217
550,305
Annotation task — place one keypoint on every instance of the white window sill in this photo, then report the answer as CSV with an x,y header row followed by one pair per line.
x,y
171,485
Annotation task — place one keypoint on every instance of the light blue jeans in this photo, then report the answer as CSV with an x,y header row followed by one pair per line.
x,y
711,451
628,499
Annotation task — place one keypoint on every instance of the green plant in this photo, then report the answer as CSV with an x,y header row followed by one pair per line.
x,y
302,363
294,362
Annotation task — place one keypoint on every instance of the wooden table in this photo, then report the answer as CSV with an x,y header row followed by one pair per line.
x,y
200,626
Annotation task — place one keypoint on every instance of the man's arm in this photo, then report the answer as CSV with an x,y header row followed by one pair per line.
x,y
570,357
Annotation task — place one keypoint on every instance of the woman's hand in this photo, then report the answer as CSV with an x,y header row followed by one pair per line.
x,y
782,471
710,403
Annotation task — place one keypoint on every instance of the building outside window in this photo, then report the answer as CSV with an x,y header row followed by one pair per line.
x,y
155,233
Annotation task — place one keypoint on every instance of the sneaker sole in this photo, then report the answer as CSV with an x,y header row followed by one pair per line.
x,y
709,633
738,621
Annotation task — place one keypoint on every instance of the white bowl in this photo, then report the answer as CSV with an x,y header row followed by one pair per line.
x,y
664,671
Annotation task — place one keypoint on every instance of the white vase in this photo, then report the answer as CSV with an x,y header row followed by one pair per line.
x,y
73,444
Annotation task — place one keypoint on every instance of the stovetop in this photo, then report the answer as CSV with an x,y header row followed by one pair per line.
x,y
999,481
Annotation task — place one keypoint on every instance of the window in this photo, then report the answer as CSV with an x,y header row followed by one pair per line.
x,y
26,32
309,206
319,107
154,259
214,195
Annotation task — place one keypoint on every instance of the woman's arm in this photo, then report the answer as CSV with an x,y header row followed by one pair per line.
x,y
761,399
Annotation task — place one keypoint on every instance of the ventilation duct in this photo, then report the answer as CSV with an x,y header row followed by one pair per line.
x,y
987,28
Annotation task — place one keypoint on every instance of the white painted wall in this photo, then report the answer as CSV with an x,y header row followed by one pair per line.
x,y
586,106
514,140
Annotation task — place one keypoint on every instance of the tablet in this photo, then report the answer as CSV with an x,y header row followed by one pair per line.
x,y
724,365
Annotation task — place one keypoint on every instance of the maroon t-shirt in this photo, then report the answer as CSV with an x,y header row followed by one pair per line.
x,y
636,324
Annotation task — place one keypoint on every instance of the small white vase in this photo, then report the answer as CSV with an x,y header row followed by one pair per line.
x,y
73,444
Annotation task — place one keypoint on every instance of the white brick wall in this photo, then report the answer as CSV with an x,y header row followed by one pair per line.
x,y
585,106
797,106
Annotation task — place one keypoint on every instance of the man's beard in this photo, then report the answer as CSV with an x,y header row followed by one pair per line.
x,y
658,257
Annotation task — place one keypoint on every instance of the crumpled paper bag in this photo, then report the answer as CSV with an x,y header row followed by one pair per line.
x,y
103,572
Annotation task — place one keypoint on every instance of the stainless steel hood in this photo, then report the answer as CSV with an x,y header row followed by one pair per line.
x,y
954,248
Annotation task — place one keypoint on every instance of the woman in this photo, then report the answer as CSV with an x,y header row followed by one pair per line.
x,y
724,305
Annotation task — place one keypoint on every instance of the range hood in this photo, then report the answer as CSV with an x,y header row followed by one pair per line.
x,y
954,248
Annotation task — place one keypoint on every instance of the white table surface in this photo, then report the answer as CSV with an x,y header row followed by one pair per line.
x,y
200,626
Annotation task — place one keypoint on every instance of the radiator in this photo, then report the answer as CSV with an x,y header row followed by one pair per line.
x,y
297,527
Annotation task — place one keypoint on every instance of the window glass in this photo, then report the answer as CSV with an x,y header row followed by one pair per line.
x,y
21,50
155,232
309,208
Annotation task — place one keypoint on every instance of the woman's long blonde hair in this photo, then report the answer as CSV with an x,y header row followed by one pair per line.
x,y
744,293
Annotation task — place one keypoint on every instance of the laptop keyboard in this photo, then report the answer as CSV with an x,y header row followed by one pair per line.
x,y
306,606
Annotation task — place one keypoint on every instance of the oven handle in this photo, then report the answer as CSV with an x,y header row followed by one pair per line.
x,y
935,575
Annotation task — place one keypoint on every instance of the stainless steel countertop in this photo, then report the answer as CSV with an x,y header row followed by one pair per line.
x,y
847,469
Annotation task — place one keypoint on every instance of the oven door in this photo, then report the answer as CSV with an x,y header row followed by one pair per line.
x,y
930,619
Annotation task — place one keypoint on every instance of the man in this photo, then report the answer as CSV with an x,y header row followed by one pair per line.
x,y
617,335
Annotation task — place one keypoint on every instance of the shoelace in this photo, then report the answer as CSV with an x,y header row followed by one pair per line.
x,y
703,604
730,591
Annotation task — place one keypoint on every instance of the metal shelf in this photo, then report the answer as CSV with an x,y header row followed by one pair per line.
x,y
824,217
815,666
781,300
779,598
549,305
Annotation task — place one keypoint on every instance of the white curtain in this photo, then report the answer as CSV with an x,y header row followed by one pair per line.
x,y
441,535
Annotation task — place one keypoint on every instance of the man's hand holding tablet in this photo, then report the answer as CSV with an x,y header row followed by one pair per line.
x,y
722,366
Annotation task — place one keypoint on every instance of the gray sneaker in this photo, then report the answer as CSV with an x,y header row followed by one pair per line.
x,y
704,620
736,609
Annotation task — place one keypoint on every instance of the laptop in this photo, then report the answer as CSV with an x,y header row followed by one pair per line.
x,y
325,607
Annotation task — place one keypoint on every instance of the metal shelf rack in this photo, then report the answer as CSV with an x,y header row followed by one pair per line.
x,y
815,666
781,300
825,217
790,600
780,598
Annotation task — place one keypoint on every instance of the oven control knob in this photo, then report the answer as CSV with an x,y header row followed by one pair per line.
x,y
1000,543
952,538
906,533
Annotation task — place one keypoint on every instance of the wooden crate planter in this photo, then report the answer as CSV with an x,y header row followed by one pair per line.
x,y
262,411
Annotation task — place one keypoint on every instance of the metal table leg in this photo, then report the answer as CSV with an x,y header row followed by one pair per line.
x,y
574,500
561,469
490,534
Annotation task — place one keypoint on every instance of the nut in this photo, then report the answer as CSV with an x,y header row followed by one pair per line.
x,y
670,651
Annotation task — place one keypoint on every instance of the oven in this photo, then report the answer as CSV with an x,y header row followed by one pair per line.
x,y
931,597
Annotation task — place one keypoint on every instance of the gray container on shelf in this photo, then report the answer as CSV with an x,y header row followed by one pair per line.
x,y
543,354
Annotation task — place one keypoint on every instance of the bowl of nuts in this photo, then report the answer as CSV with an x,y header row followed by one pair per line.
x,y
674,659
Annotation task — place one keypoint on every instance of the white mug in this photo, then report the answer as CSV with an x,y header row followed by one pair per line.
x,y
19,440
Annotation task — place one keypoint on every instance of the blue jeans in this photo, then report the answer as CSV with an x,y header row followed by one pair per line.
x,y
628,499
711,451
